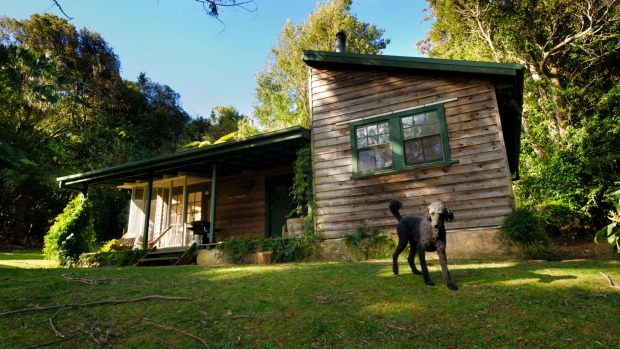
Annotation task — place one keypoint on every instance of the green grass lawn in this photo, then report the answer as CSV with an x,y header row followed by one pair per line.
x,y
314,305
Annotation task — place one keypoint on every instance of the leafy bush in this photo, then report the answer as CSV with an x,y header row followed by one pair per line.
x,y
72,233
237,248
302,191
524,227
283,250
112,258
290,250
612,231
372,244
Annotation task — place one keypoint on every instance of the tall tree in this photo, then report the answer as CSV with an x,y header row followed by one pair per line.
x,y
281,95
570,51
222,125
65,109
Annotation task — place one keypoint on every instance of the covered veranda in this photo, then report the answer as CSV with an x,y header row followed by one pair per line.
x,y
231,187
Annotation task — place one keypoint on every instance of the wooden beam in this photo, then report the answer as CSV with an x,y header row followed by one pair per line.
x,y
147,212
212,215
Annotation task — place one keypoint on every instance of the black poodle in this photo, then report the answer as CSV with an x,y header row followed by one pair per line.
x,y
425,234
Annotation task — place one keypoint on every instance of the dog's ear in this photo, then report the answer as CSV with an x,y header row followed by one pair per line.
x,y
448,214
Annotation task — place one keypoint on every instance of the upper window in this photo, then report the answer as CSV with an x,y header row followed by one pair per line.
x,y
400,141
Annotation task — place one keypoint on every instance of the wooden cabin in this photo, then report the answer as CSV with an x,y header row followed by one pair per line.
x,y
382,127
233,189
419,130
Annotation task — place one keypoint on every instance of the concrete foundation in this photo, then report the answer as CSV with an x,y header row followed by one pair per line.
x,y
464,244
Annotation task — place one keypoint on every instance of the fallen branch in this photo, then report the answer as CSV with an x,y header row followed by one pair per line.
x,y
94,281
56,341
58,334
611,283
178,330
79,305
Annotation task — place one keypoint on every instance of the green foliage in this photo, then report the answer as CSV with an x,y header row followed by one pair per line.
x,y
65,108
302,190
110,258
283,249
239,247
524,227
370,244
570,125
72,233
281,94
290,250
611,232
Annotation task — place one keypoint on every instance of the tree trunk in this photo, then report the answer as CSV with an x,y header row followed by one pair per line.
x,y
19,229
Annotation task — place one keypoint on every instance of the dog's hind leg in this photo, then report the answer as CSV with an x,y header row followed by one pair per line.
x,y
411,259
402,243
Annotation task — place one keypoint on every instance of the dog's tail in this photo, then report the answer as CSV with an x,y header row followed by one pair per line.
x,y
395,206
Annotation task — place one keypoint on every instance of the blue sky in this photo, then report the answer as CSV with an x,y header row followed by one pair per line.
x,y
211,63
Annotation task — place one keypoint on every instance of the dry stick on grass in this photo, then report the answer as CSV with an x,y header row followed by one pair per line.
x,y
611,283
79,305
177,330
58,334
94,281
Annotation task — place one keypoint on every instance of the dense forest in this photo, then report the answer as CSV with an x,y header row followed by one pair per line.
x,y
570,145
65,108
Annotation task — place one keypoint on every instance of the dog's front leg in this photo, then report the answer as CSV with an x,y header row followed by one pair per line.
x,y
443,261
422,255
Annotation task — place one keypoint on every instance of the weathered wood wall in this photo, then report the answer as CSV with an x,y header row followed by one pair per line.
x,y
478,189
240,201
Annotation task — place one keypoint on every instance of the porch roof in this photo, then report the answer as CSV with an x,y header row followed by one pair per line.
x,y
508,79
254,153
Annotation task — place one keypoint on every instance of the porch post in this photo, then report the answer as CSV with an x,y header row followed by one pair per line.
x,y
147,212
212,215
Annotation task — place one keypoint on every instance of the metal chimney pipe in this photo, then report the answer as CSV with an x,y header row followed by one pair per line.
x,y
341,41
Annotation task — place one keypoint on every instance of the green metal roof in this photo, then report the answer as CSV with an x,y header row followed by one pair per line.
x,y
508,78
322,58
259,152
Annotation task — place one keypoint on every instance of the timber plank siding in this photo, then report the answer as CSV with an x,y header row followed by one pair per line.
x,y
478,188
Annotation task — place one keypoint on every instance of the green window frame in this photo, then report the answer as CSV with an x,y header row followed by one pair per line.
x,y
401,141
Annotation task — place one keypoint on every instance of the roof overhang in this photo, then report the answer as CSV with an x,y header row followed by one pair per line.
x,y
256,153
508,79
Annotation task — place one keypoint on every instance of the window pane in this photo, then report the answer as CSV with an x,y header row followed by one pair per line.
x,y
384,157
407,121
366,161
361,132
373,159
414,152
433,149
431,117
383,128
372,130
362,142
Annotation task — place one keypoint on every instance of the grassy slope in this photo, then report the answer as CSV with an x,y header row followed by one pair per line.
x,y
324,305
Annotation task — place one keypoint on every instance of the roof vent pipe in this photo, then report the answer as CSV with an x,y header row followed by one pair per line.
x,y
341,41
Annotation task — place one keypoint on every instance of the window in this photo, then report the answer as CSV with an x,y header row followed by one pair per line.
x,y
373,147
400,141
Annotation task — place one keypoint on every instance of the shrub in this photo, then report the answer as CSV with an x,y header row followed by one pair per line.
x,y
525,227
112,258
372,244
611,232
283,250
72,233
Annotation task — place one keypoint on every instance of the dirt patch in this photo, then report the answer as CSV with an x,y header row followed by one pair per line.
x,y
566,250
